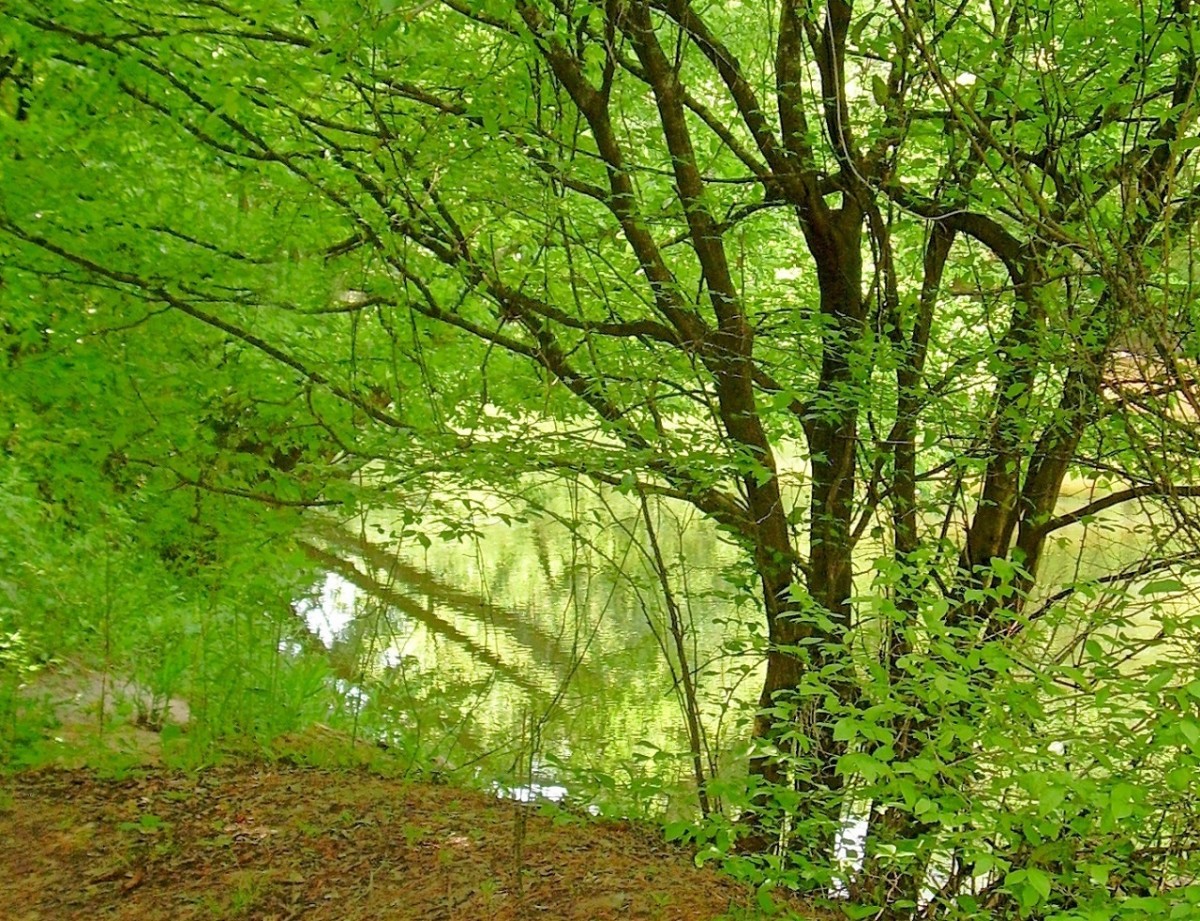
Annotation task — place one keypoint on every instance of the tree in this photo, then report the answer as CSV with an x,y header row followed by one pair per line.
x,y
944,248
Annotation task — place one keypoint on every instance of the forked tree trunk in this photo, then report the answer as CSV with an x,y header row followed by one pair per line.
x,y
798,617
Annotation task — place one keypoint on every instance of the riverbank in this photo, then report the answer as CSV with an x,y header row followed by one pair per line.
x,y
273,841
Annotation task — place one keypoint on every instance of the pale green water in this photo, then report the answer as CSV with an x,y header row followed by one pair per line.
x,y
543,640
536,638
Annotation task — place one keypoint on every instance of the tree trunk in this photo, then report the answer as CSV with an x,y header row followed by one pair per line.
x,y
799,642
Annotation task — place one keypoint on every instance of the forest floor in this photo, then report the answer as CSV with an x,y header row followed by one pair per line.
x,y
105,830
276,841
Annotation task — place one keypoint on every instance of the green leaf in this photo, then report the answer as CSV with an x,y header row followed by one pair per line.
x,y
676,830
1040,881
879,90
765,901
860,763
1161,678
859,912
1121,800
1162,586
1181,778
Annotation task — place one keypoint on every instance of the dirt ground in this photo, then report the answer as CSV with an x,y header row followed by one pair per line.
x,y
279,842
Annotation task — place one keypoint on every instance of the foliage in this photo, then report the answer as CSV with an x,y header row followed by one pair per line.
x,y
872,289
95,594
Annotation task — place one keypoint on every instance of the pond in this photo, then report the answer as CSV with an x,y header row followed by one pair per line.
x,y
538,649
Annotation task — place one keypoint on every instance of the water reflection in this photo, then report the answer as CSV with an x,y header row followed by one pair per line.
x,y
343,577
545,639
538,638
330,612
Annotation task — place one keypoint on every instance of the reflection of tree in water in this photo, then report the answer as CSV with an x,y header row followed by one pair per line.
x,y
403,582
397,601
566,614
541,546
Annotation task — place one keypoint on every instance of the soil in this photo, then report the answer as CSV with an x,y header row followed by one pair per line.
x,y
277,841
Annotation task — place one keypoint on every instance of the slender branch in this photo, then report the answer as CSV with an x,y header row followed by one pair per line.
x,y
1137,571
1117,498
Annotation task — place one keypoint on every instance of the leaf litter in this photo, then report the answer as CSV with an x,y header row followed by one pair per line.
x,y
276,841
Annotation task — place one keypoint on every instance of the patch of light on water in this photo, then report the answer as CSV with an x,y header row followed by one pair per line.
x,y
851,840
332,611
849,849
527,794
390,657
849,852
533,792
354,696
